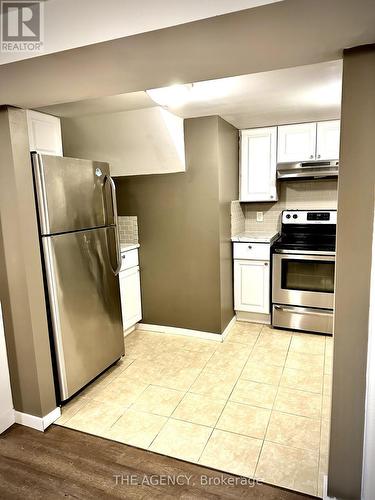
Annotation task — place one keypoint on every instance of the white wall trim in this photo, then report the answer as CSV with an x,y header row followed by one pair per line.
x,y
325,489
38,423
368,479
250,317
216,337
6,420
228,328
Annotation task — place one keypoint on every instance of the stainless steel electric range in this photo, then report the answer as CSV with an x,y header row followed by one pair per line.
x,y
303,273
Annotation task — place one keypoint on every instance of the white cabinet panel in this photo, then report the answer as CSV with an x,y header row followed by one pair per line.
x,y
328,140
296,142
252,286
129,259
6,403
252,251
131,305
44,133
258,164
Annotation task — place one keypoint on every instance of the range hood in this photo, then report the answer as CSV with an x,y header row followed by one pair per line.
x,y
307,170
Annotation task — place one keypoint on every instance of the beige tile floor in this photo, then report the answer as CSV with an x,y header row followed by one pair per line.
x,y
257,404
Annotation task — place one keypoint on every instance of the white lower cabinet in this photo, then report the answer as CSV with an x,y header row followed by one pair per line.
x,y
130,289
252,277
252,286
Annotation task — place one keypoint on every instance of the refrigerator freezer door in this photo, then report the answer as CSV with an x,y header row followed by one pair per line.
x,y
85,306
72,194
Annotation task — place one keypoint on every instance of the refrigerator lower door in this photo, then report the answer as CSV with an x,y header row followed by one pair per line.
x,y
84,301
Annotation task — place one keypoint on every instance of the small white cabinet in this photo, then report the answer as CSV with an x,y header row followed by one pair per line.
x,y
44,133
258,164
252,277
251,286
296,142
130,289
308,141
328,140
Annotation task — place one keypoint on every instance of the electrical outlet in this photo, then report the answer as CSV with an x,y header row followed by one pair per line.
x,y
259,216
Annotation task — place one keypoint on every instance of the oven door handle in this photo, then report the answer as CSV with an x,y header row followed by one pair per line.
x,y
298,311
301,256
324,253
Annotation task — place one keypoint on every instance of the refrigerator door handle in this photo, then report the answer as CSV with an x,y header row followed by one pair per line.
x,y
114,211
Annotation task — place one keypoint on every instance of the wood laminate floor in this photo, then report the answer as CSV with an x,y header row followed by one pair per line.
x,y
63,463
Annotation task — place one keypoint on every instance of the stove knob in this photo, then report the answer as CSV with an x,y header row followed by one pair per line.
x,y
288,216
295,216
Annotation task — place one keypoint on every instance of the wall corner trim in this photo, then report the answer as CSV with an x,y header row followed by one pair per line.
x,y
216,337
38,423
325,489
6,420
228,328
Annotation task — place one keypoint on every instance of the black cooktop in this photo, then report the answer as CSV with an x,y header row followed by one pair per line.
x,y
307,237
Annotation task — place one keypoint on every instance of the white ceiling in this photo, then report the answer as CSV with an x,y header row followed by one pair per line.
x,y
290,95
69,24
310,92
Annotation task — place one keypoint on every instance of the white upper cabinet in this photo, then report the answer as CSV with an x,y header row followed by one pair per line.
x,y
44,133
328,140
296,142
258,164
308,141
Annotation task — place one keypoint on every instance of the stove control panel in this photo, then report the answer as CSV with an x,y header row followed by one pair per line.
x,y
309,217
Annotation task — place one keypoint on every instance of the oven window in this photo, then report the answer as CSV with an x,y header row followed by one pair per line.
x,y
308,275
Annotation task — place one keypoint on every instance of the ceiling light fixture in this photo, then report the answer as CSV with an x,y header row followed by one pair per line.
x,y
176,96
173,96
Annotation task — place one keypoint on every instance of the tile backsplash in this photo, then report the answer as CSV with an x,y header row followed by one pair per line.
x,y
317,194
237,218
128,229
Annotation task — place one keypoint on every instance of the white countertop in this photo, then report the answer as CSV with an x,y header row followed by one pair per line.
x,y
256,237
125,247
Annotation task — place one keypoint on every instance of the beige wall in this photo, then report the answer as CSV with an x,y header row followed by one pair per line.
x,y
184,231
228,191
21,283
142,141
320,194
353,270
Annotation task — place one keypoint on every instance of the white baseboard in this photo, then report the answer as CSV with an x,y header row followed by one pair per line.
x,y
128,331
217,337
228,328
264,319
38,423
6,420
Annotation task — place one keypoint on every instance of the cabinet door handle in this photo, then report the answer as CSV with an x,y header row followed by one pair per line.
x,y
249,247
311,156
266,263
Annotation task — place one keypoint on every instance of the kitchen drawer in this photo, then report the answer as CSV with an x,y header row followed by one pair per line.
x,y
129,259
302,318
251,251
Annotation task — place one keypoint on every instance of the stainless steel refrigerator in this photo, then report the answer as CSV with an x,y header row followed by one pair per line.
x,y
76,204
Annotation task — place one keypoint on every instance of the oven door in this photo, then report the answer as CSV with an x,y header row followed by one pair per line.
x,y
303,280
